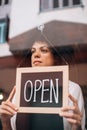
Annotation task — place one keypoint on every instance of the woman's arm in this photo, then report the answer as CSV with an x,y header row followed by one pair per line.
x,y
6,125
7,110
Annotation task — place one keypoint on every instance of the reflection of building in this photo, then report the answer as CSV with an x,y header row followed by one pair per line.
x,y
5,6
27,15
3,30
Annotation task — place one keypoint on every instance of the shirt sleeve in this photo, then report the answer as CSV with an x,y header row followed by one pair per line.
x,y
13,122
13,119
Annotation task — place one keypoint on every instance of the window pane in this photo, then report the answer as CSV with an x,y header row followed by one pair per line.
x,y
0,2
6,1
55,3
76,2
0,34
65,3
44,4
3,30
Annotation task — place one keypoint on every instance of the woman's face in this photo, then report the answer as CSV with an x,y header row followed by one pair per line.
x,y
41,55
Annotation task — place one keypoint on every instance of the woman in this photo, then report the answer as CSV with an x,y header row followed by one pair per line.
x,y
73,115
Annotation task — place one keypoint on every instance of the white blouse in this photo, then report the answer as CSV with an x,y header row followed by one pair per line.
x,y
75,91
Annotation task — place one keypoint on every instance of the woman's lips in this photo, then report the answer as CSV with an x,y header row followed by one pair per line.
x,y
37,62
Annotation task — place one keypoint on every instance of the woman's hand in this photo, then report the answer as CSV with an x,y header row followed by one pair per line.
x,y
7,108
72,114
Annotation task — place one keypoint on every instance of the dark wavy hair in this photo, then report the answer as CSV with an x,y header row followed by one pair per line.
x,y
55,50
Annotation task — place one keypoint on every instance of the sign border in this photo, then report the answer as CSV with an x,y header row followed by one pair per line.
x,y
50,110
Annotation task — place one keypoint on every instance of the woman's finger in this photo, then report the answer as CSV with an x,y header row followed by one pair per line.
x,y
8,108
71,115
73,121
12,94
68,108
75,102
5,112
9,104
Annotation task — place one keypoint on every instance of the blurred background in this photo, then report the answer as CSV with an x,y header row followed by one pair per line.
x,y
63,22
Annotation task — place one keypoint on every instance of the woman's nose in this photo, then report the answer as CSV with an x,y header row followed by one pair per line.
x,y
37,54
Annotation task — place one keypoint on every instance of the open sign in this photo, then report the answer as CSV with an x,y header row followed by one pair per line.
x,y
42,89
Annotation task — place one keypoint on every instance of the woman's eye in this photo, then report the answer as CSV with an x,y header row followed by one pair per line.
x,y
32,51
44,50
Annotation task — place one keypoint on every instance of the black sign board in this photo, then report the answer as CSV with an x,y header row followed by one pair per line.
x,y
42,89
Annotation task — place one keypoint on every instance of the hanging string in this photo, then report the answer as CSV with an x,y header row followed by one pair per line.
x,y
41,28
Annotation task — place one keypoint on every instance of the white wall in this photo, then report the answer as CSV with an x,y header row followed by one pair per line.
x,y
5,9
25,15
4,50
